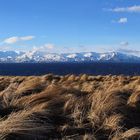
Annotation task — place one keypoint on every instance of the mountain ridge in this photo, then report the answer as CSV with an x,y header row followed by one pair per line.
x,y
40,56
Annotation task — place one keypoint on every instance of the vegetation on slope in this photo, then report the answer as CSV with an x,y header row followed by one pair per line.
x,y
70,107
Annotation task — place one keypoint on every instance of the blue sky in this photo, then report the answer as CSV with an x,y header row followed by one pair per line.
x,y
69,25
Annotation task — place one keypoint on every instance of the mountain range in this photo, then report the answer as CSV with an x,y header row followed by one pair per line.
x,y
40,57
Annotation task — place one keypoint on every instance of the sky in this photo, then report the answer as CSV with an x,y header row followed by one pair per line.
x,y
69,25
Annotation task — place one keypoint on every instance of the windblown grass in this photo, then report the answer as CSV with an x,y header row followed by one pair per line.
x,y
70,107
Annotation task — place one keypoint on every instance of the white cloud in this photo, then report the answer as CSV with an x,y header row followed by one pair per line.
x,y
48,46
45,47
26,38
16,39
5,48
11,40
123,20
124,43
135,8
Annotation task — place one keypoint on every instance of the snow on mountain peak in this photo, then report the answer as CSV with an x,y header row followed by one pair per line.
x,y
88,54
72,55
38,56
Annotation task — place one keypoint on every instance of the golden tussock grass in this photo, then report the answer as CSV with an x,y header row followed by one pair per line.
x,y
70,107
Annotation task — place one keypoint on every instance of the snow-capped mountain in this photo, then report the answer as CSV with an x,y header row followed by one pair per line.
x,y
38,57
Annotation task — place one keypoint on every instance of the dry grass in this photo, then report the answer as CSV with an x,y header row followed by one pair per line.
x,y
70,107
